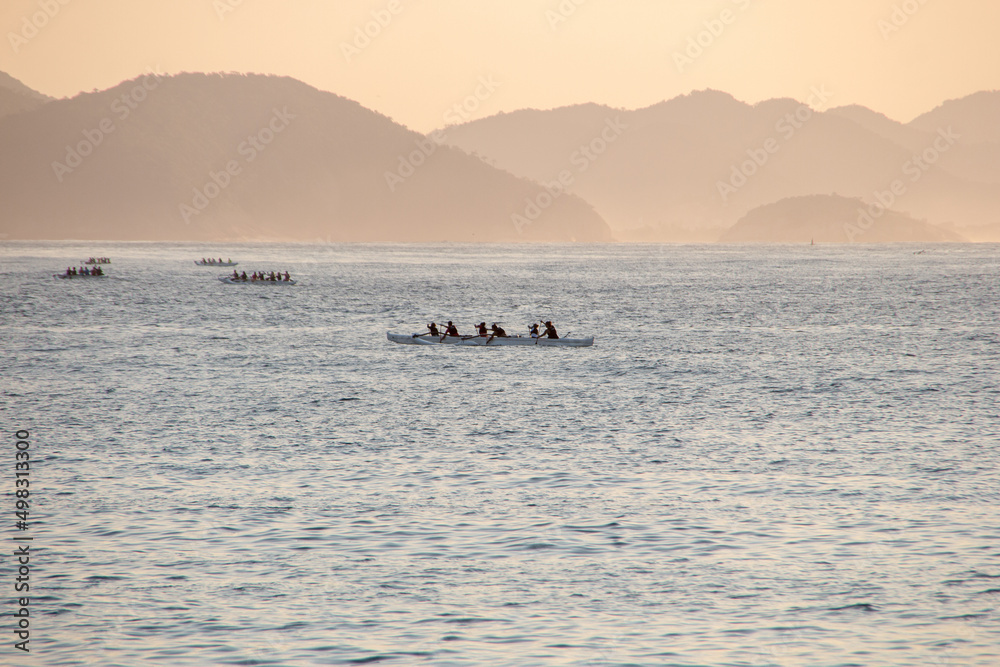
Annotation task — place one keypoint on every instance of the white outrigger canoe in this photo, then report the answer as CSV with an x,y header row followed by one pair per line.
x,y
491,341
233,281
215,263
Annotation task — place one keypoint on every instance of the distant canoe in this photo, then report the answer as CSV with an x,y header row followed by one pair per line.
x,y
233,281
216,263
491,341
98,261
78,275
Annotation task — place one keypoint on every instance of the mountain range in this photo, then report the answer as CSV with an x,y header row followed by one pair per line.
x,y
691,167
255,157
251,157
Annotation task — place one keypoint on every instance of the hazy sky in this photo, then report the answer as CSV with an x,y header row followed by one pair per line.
x,y
900,57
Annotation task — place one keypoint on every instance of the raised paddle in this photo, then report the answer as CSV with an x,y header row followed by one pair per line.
x,y
539,335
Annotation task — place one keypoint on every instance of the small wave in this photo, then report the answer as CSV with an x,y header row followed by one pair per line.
x,y
860,606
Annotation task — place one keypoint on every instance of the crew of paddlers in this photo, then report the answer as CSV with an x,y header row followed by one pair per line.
x,y
274,277
84,271
212,260
495,331
98,260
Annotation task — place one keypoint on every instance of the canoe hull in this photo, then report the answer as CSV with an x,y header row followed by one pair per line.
x,y
78,275
512,341
216,263
229,279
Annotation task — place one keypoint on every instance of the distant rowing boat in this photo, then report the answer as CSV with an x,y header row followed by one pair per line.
x,y
216,263
78,275
491,341
233,281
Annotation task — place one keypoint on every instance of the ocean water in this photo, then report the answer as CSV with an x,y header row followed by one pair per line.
x,y
773,455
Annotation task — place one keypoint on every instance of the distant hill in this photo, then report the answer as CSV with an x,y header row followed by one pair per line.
x,y
16,97
831,219
969,159
690,167
243,157
906,136
976,117
12,103
7,82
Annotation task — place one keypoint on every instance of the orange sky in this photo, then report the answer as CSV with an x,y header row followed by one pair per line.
x,y
900,57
